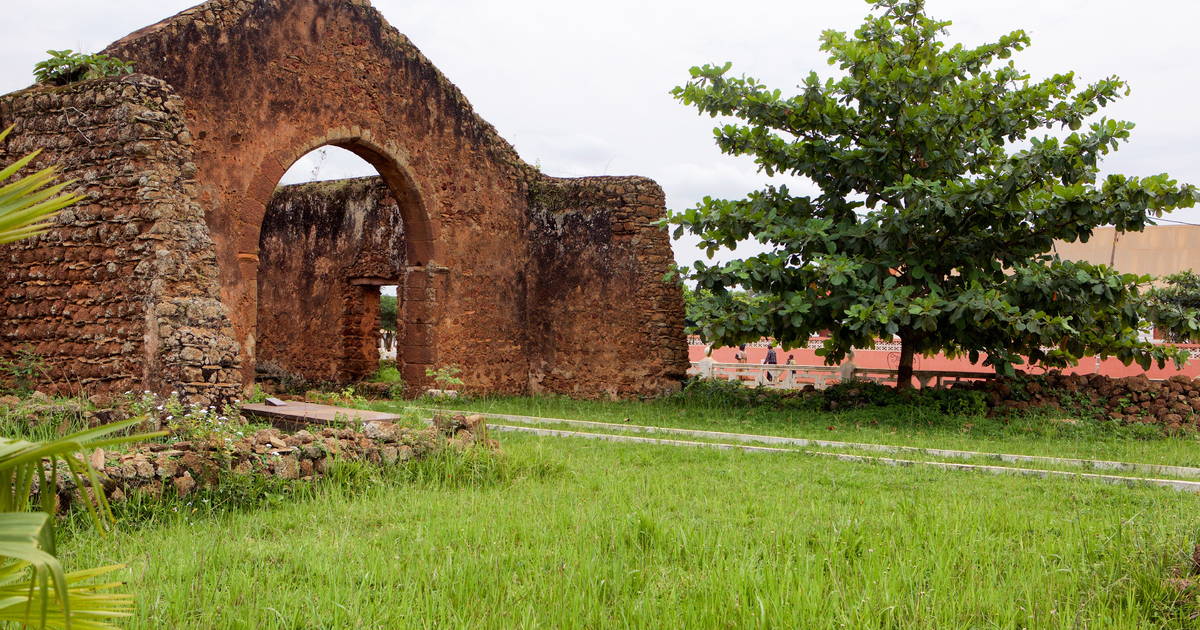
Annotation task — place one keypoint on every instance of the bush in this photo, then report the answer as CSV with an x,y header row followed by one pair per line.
x,y
723,393
387,373
842,396
23,370
65,67
854,393
954,402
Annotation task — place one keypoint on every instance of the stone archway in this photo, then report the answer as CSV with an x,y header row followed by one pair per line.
x,y
325,249
257,77
322,323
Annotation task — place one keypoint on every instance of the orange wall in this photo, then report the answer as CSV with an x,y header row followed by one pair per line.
x,y
882,359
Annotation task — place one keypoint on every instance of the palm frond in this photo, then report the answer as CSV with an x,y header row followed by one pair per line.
x,y
28,204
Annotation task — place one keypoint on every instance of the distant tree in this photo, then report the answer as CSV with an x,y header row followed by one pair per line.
x,y
1173,307
387,312
941,192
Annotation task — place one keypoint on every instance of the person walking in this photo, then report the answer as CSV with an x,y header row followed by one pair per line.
x,y
771,359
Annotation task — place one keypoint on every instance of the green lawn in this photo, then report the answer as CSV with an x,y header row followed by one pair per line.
x,y
581,534
895,425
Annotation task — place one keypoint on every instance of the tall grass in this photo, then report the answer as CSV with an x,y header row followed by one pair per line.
x,y
575,534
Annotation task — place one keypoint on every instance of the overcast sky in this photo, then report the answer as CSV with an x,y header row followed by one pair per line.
x,y
583,88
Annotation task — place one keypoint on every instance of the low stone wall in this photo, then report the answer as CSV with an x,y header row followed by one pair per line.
x,y
1174,403
183,467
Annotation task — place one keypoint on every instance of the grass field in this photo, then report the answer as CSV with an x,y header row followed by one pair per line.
x,y
563,533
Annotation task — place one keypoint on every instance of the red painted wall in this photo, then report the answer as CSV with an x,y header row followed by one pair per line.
x,y
882,359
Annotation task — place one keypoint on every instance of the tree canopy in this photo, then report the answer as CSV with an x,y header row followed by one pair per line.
x,y
387,312
943,176
1173,306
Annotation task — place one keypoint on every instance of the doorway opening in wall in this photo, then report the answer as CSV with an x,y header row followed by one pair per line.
x,y
389,340
332,246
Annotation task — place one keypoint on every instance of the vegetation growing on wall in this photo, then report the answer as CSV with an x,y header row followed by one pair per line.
x,y
66,66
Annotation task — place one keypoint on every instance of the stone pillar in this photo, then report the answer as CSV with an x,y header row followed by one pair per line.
x,y
417,314
360,331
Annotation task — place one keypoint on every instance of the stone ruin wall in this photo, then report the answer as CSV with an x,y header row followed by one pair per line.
x,y
528,283
121,294
602,318
266,81
339,241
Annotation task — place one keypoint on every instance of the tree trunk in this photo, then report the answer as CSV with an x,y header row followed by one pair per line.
x,y
904,371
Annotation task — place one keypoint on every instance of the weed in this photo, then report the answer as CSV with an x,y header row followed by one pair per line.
x,y
23,370
388,372
345,397
187,421
446,376
257,395
65,67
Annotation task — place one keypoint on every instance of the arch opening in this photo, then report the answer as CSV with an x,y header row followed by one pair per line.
x,y
337,229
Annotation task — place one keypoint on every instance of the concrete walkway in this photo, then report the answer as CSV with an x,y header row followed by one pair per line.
x,y
732,440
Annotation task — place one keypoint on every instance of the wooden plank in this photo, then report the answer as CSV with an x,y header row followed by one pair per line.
x,y
300,414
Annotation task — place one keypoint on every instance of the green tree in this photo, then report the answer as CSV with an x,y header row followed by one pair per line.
x,y
1173,306
387,312
698,306
944,175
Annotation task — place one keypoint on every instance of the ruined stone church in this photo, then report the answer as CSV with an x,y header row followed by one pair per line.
x,y
187,266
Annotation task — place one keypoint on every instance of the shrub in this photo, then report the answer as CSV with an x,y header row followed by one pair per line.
x,y
723,393
23,370
854,393
66,66
446,376
954,402
388,373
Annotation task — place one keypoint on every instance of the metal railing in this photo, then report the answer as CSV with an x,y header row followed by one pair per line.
x,y
822,376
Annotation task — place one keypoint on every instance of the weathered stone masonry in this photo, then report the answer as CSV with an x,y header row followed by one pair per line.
x,y
331,238
529,283
122,293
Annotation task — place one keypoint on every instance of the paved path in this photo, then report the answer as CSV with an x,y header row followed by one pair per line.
x,y
300,414
1099,464
1180,471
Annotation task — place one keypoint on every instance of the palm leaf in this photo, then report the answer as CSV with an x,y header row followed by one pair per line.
x,y
28,204
34,589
